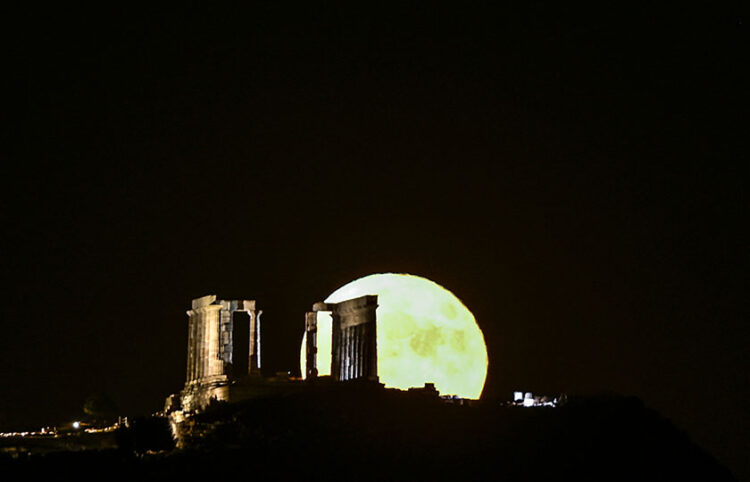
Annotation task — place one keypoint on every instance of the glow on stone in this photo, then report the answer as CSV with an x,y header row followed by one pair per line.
x,y
425,334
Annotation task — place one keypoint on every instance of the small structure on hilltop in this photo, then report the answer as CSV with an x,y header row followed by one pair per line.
x,y
528,399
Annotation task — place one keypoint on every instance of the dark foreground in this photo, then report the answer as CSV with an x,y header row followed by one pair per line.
x,y
377,435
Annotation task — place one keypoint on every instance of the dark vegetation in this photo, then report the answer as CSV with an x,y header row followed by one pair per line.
x,y
144,435
377,435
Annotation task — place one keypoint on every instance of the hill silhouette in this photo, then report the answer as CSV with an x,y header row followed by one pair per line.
x,y
363,434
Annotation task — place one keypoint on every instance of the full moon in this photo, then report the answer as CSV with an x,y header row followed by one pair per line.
x,y
425,334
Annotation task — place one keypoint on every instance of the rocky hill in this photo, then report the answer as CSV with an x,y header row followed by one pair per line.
x,y
364,434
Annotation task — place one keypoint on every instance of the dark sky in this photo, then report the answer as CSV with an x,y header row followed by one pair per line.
x,y
578,179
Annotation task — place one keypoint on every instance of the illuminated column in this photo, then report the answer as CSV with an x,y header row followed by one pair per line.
x,y
226,325
198,320
190,356
348,333
214,365
311,350
351,350
345,354
358,352
252,359
257,337
254,364
198,343
206,345
202,362
257,332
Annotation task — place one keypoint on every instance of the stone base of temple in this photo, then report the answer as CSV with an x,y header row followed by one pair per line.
x,y
197,398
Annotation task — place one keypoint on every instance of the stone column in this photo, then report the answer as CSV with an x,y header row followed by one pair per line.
x,y
335,346
214,365
203,327
311,349
358,352
371,342
257,346
194,347
350,349
348,352
198,360
189,368
254,362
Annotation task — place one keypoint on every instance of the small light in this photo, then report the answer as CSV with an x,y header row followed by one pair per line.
x,y
76,425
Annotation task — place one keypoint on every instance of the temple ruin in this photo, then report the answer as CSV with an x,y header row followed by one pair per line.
x,y
224,350
223,347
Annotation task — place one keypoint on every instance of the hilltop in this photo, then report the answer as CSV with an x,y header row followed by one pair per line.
x,y
368,434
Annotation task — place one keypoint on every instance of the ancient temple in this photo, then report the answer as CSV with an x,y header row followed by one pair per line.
x,y
224,351
223,347
223,339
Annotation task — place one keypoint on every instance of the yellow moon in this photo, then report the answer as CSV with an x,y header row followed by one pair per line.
x,y
424,334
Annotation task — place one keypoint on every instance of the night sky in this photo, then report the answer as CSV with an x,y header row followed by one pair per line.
x,y
578,179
